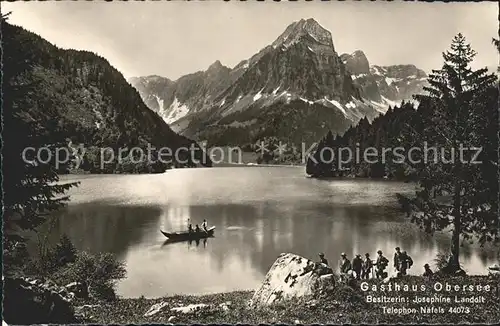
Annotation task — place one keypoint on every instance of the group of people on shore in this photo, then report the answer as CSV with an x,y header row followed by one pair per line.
x,y
362,269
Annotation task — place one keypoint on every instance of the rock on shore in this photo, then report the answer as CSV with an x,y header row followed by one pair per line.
x,y
292,276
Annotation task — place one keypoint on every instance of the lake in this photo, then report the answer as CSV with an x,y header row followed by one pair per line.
x,y
258,212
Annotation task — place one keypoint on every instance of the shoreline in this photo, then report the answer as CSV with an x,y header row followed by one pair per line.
x,y
216,165
371,280
257,165
344,305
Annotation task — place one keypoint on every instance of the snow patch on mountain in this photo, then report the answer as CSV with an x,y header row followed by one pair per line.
x,y
284,93
379,106
390,80
414,102
160,102
176,111
289,44
376,71
314,37
338,105
350,105
389,102
306,100
353,77
377,103
258,95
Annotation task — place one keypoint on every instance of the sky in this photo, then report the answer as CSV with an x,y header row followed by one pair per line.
x,y
172,39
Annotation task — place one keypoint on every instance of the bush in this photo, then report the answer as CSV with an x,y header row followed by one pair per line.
x,y
15,256
97,273
442,262
64,252
55,258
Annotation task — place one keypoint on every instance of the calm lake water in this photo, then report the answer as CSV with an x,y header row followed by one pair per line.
x,y
259,212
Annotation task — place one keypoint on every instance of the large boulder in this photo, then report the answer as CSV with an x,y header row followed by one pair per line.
x,y
293,276
32,302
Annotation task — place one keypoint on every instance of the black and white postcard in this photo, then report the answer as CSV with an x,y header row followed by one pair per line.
x,y
250,162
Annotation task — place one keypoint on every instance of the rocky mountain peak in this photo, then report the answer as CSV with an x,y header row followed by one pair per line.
x,y
360,55
356,63
317,31
217,65
300,76
400,71
301,30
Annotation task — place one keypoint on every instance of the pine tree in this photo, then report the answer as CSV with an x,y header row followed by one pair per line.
x,y
65,252
322,162
496,43
455,111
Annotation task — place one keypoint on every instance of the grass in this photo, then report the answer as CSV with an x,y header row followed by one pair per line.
x,y
343,305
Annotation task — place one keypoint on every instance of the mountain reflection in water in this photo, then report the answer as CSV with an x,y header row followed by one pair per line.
x,y
253,226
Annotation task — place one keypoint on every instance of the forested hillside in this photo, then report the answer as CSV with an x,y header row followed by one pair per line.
x,y
77,96
418,126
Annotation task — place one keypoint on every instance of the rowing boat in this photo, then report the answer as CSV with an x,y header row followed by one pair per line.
x,y
180,236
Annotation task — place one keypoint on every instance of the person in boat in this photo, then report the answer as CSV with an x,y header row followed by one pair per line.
x,y
190,228
197,228
204,225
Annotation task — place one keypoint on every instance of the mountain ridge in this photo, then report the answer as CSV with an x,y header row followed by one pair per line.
x,y
391,84
301,64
